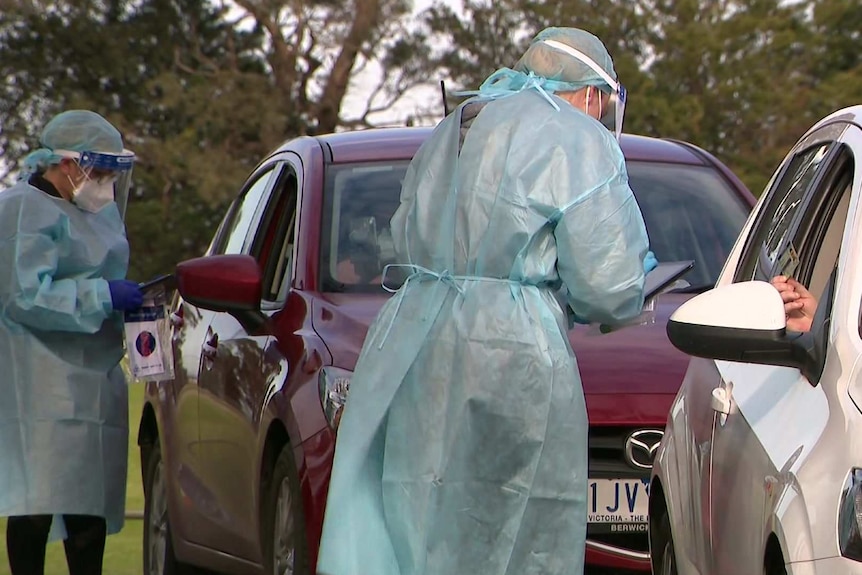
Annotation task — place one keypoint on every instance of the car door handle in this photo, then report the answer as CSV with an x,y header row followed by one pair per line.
x,y
177,320
721,401
210,347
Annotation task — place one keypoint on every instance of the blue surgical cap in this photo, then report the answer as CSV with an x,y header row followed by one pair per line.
x,y
75,131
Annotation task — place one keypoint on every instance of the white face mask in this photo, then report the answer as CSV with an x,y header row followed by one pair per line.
x,y
91,195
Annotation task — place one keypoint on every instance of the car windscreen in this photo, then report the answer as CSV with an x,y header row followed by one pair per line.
x,y
691,212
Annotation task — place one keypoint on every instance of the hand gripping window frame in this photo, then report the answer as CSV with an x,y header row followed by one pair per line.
x,y
612,118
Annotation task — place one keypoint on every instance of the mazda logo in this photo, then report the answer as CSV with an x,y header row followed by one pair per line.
x,y
641,447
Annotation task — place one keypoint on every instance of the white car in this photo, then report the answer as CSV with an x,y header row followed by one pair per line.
x,y
760,467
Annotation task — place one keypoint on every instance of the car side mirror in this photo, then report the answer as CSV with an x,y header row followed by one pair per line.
x,y
744,322
224,283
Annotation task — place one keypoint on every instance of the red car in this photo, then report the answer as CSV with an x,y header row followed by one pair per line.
x,y
236,450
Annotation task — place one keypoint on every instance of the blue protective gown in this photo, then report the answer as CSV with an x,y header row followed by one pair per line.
x,y
463,446
64,413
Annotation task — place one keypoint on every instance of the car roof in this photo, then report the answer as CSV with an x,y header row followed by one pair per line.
x,y
376,144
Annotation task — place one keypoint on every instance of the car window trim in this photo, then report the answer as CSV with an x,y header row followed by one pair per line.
x,y
288,161
260,209
251,180
745,267
802,215
818,211
286,172
263,214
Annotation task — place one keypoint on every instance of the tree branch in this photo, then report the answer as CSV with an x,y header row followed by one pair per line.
x,y
283,57
198,53
313,65
5,173
356,123
21,7
400,86
365,17
188,69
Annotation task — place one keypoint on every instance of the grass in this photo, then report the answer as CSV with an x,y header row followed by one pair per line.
x,y
123,550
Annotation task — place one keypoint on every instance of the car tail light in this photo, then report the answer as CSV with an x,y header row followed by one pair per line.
x,y
850,517
334,387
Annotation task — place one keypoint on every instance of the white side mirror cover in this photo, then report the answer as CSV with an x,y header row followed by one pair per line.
x,y
755,305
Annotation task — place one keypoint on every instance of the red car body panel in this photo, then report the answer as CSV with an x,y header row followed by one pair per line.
x,y
630,377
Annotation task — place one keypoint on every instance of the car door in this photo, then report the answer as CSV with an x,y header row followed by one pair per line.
x,y
797,233
239,370
181,437
185,456
200,505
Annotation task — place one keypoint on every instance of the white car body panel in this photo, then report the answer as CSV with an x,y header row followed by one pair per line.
x,y
775,465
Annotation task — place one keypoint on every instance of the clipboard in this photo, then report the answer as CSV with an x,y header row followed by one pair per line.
x,y
664,275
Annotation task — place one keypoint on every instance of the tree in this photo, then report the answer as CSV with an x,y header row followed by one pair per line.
x,y
725,76
201,92
835,54
741,78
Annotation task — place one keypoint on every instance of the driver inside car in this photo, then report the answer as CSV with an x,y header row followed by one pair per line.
x,y
364,250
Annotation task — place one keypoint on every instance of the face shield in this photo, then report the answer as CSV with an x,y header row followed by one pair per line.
x,y
612,114
106,168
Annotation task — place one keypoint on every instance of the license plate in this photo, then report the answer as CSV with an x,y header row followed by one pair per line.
x,y
617,501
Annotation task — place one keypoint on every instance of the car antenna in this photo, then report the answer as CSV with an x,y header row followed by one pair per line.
x,y
443,94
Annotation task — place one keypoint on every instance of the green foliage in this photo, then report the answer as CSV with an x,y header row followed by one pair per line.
x,y
175,77
201,93
742,79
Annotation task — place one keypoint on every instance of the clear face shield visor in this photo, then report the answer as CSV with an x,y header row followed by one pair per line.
x,y
614,111
104,168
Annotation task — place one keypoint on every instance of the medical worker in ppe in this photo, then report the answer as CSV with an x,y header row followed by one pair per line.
x,y
463,443
64,407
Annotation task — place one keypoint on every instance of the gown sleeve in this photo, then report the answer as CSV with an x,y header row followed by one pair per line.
x,y
34,240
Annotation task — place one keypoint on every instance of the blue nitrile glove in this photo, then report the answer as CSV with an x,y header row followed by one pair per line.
x,y
650,262
125,294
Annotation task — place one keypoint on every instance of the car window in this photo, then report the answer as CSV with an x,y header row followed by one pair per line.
x,y
234,230
691,212
357,242
273,242
821,256
771,250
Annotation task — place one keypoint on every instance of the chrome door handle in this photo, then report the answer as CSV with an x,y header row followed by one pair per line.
x,y
722,401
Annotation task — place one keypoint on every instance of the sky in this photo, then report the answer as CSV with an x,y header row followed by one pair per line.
x,y
412,104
